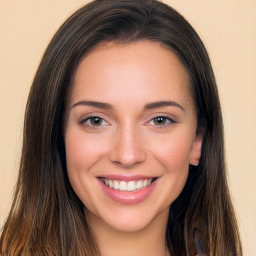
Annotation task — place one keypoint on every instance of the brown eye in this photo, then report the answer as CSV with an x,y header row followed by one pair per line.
x,y
160,120
95,121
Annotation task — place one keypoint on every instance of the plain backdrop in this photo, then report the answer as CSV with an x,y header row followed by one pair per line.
x,y
228,29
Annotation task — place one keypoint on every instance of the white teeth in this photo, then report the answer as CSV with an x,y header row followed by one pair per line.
x,y
131,186
122,186
139,184
127,186
116,184
110,183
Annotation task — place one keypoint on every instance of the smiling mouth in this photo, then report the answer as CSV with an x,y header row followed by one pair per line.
x,y
128,186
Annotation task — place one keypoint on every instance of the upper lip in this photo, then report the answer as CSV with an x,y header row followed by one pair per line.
x,y
126,177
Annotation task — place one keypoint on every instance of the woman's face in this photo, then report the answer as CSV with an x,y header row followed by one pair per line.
x,y
130,134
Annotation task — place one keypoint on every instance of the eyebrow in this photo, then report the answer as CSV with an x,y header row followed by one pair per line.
x,y
160,104
152,105
95,104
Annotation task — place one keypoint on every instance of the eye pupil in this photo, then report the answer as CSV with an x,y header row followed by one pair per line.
x,y
96,121
159,120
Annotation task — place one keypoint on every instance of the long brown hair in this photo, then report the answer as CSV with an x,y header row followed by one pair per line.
x,y
47,217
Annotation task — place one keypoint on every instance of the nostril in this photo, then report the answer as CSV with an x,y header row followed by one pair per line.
x,y
130,158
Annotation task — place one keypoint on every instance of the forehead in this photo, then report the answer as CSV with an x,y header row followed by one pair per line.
x,y
141,70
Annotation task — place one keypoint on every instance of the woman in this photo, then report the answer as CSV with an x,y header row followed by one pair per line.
x,y
123,142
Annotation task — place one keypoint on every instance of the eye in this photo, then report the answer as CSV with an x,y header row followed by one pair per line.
x,y
160,121
94,121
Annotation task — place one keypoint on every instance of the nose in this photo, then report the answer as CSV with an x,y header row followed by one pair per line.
x,y
127,149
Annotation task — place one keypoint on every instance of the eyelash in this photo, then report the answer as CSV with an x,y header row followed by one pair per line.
x,y
167,122
90,118
165,125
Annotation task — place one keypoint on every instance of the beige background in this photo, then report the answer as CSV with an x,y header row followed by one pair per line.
x,y
227,27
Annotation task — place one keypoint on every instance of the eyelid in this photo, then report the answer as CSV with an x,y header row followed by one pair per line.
x,y
85,118
171,120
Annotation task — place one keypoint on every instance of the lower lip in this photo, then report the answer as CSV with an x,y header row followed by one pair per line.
x,y
128,197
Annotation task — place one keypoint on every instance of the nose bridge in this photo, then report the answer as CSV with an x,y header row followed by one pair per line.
x,y
128,147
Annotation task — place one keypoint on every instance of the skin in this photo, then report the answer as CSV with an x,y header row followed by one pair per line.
x,y
129,141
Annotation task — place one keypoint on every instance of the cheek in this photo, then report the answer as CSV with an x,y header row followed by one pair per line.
x,y
82,151
174,153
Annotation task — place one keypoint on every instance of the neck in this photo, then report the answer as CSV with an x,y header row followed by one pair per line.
x,y
149,241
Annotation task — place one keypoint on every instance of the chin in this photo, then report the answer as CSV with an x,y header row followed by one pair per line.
x,y
133,219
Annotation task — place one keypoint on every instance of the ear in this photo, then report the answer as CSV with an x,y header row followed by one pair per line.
x,y
195,153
